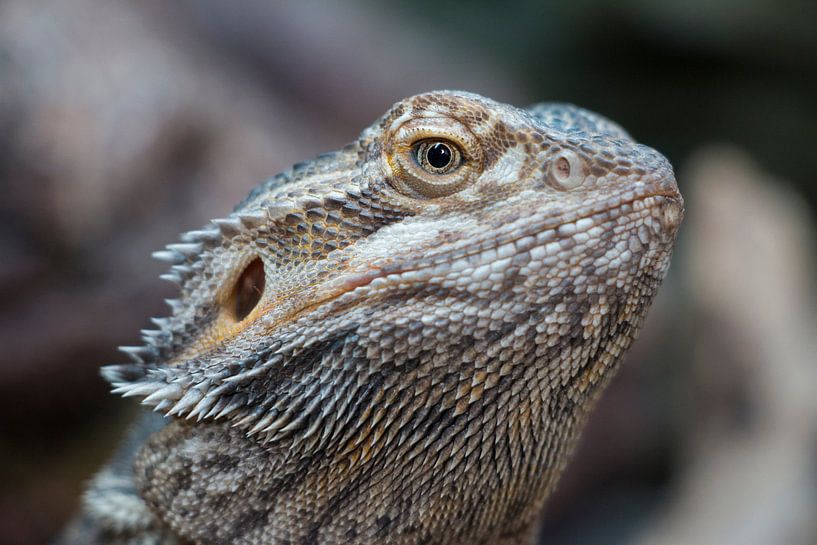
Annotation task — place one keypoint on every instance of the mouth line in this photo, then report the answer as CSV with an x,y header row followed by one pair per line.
x,y
359,280
349,283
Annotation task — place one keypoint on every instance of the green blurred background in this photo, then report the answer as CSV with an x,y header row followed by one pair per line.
x,y
125,123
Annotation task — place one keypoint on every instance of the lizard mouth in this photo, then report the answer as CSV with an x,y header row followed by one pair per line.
x,y
670,213
481,257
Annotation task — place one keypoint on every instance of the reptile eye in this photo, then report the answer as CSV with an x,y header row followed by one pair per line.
x,y
438,157
431,157
248,289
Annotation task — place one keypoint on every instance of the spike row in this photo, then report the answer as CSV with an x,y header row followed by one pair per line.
x,y
182,256
173,400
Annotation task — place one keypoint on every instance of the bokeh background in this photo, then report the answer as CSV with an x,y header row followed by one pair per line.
x,y
125,123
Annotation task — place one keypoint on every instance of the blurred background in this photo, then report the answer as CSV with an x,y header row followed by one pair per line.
x,y
124,123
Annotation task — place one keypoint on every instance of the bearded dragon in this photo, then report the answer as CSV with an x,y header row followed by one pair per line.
x,y
398,342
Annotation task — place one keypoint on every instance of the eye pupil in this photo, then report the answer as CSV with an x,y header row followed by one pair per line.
x,y
248,289
438,155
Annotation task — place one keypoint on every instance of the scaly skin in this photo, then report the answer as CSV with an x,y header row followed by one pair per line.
x,y
427,343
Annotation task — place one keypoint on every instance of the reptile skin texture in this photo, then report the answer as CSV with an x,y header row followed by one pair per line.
x,y
396,343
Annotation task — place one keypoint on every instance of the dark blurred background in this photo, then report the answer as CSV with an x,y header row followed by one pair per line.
x,y
125,123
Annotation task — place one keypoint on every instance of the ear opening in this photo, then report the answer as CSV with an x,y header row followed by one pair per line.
x,y
247,291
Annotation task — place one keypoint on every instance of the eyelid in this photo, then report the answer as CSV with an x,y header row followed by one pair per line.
x,y
438,128
412,179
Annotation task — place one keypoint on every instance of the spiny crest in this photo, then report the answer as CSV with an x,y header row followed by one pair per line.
x,y
185,260
183,256
143,377
191,389
217,390
237,391
258,210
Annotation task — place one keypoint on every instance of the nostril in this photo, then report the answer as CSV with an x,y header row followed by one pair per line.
x,y
248,290
566,170
563,167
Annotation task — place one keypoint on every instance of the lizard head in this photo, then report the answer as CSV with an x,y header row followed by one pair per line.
x,y
452,209
463,259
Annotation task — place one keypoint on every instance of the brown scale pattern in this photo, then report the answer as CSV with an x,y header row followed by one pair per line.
x,y
421,359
